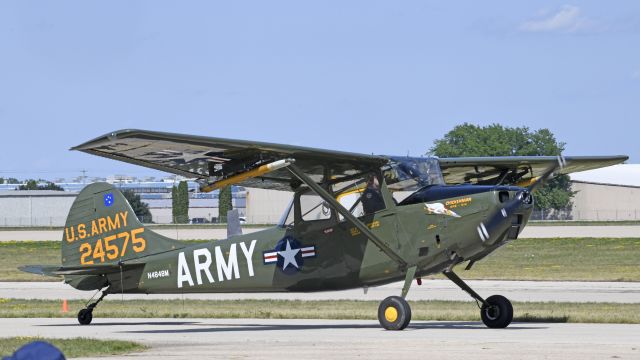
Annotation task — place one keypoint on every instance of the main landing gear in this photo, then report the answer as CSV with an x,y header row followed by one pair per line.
x,y
394,313
86,315
496,311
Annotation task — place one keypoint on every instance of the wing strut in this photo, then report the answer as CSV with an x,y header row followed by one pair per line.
x,y
347,215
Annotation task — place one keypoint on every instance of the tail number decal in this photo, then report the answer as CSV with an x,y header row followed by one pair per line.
x,y
112,247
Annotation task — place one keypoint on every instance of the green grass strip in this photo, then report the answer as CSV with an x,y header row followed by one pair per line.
x,y
325,309
75,347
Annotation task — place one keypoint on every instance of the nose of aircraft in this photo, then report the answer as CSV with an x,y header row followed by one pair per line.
x,y
511,216
508,218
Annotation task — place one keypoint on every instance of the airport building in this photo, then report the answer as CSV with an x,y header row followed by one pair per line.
x,y
50,208
607,194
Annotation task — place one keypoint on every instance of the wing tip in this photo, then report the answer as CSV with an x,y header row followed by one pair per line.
x,y
110,136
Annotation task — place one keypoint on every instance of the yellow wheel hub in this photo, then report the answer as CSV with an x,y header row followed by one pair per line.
x,y
391,314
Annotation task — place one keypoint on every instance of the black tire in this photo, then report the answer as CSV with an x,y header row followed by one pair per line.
x,y
85,316
394,313
499,314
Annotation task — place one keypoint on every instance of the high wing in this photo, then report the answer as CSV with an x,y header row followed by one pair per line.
x,y
213,159
512,169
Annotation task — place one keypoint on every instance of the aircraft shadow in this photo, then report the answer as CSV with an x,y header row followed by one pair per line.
x,y
141,323
206,328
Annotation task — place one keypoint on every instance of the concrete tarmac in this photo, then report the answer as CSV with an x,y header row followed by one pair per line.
x,y
570,291
348,339
534,232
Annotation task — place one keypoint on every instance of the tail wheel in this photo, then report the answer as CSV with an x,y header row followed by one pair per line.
x,y
85,316
498,314
394,313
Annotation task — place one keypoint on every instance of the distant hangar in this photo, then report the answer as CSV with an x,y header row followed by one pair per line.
x,y
607,194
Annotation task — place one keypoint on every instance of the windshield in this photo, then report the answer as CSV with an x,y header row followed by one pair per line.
x,y
409,173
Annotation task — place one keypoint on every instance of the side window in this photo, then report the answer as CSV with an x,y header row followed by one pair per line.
x,y
351,201
361,196
312,208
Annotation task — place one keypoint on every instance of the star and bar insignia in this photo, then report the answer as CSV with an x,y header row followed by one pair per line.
x,y
289,255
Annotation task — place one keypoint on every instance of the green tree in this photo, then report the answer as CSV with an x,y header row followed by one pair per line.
x,y
497,140
180,203
141,209
175,207
183,202
225,203
1,180
12,181
39,185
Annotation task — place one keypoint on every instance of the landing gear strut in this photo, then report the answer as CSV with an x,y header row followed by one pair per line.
x,y
86,315
496,311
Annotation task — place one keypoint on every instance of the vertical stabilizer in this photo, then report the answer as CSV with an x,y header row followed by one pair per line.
x,y
103,229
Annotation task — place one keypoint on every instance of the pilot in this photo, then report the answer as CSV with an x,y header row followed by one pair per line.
x,y
371,198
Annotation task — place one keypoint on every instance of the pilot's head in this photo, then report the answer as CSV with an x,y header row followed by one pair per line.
x,y
373,182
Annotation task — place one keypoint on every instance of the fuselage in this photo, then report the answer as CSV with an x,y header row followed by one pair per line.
x,y
435,228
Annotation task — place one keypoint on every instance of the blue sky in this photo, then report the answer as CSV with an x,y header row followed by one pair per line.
x,y
363,76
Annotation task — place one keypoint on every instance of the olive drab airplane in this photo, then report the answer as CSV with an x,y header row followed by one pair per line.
x,y
355,221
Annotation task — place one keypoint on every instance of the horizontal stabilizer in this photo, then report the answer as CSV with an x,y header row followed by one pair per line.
x,y
54,270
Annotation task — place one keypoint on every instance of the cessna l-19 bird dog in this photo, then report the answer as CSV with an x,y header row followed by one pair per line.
x,y
343,229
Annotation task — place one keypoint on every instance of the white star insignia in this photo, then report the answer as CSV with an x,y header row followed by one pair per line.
x,y
289,256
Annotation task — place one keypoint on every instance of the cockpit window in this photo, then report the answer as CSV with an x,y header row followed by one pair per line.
x,y
361,194
410,174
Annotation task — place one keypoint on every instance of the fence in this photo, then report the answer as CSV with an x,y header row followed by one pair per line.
x,y
587,215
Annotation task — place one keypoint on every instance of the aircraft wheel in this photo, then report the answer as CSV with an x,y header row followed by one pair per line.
x,y
85,316
394,313
499,314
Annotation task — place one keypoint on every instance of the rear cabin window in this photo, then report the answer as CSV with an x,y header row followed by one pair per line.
x,y
313,208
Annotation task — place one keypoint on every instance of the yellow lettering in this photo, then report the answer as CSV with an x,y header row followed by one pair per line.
x,y
73,235
139,244
85,251
113,224
98,251
94,228
102,224
112,249
82,231
126,236
123,216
